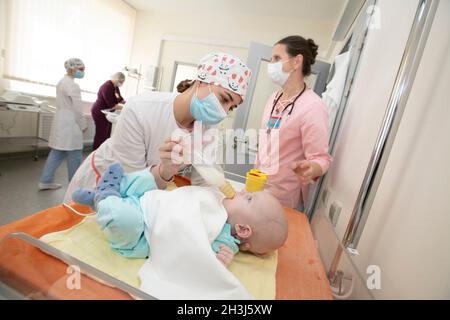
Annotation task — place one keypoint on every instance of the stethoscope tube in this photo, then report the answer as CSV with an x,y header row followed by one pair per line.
x,y
292,105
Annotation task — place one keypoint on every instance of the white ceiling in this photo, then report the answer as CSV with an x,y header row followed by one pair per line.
x,y
301,9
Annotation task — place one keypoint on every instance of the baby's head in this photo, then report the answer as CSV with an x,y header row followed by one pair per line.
x,y
258,221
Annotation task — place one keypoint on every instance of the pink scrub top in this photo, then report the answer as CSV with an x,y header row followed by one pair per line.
x,y
302,135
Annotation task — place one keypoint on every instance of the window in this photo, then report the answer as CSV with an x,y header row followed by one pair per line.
x,y
41,35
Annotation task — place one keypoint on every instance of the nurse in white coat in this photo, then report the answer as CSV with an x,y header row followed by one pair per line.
x,y
142,137
66,135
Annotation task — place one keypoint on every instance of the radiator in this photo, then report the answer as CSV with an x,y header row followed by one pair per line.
x,y
45,125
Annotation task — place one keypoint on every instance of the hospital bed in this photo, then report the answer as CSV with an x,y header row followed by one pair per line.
x,y
16,102
31,269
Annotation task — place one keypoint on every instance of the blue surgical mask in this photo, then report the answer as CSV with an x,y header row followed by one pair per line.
x,y
208,110
79,74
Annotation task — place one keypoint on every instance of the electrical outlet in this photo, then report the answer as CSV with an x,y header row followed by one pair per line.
x,y
335,212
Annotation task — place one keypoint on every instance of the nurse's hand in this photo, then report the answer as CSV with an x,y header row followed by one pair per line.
x,y
307,171
171,154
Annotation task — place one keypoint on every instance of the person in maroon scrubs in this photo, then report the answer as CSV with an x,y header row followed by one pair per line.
x,y
108,97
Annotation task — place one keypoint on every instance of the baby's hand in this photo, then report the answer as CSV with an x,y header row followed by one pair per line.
x,y
225,255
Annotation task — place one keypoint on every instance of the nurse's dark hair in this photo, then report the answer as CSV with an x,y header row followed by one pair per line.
x,y
296,45
184,85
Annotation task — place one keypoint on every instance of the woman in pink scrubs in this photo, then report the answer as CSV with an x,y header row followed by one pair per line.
x,y
293,145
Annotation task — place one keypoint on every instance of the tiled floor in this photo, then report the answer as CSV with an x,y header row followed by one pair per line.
x,y
19,195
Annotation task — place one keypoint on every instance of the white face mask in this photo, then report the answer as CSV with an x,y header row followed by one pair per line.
x,y
276,73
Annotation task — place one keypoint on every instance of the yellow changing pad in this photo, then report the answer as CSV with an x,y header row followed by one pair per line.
x,y
86,242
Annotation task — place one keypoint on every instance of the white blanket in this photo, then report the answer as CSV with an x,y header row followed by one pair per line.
x,y
181,225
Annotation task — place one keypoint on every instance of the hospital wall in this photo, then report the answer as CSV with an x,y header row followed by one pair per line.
x,y
21,124
2,41
234,31
406,234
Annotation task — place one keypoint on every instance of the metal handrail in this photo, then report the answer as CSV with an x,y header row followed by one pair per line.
x,y
399,97
415,46
88,269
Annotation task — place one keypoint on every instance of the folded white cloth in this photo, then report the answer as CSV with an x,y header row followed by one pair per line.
x,y
180,228
112,117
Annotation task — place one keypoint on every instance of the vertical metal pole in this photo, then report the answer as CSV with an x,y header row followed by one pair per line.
x,y
397,103
36,150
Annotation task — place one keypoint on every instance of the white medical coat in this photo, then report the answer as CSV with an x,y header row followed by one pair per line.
x,y
144,124
69,122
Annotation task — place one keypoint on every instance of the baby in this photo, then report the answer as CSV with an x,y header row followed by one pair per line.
x,y
126,206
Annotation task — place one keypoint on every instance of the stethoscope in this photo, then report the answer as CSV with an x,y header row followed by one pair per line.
x,y
292,105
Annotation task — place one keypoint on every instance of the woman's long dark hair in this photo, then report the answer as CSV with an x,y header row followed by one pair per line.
x,y
184,85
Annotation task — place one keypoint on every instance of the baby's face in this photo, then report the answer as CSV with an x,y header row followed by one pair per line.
x,y
256,211
244,203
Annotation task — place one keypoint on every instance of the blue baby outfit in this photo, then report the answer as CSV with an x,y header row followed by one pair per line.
x,y
120,216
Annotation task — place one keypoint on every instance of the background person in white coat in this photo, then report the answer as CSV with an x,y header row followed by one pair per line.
x,y
66,135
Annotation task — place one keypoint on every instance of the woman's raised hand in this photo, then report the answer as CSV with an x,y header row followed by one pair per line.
x,y
307,171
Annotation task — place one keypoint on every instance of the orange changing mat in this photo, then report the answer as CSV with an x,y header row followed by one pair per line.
x,y
300,273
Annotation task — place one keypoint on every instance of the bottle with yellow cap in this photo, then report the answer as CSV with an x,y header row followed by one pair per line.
x,y
228,190
214,177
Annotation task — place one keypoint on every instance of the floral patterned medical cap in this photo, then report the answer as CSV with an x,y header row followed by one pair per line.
x,y
225,70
